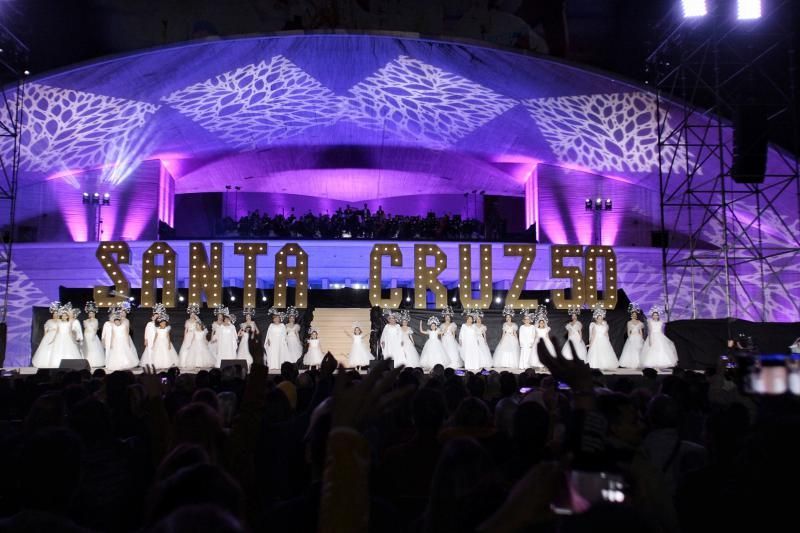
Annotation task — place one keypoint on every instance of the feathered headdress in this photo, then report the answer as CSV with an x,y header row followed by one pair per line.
x,y
470,313
313,329
126,306
433,319
508,311
65,309
529,314
193,309
633,307
291,311
114,314
541,314
54,306
357,324
574,309
656,309
249,311
448,311
598,311
158,309
163,316
404,315
90,307
388,313
76,312
275,312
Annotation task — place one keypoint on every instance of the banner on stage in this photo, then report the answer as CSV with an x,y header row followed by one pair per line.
x,y
578,265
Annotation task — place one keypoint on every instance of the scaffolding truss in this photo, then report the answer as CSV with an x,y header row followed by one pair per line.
x,y
729,249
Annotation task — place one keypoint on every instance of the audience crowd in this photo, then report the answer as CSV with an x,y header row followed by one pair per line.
x,y
351,223
392,451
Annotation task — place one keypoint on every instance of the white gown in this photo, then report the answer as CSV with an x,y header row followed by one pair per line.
x,y
450,344
658,351
433,352
314,354
131,346
243,352
391,344
164,354
486,353
92,347
528,358
118,351
293,344
150,338
631,352
359,354
212,345
410,352
601,354
225,340
197,353
574,334
41,358
276,349
65,342
188,331
470,349
506,354
543,335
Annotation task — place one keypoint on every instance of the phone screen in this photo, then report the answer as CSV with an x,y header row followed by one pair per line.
x,y
525,390
581,489
460,372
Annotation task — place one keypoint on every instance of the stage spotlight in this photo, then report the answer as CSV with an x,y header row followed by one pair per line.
x,y
454,299
547,300
609,204
748,9
694,8
180,298
598,203
107,199
130,298
588,204
86,198
497,300
96,198
233,298
408,298
26,72
263,298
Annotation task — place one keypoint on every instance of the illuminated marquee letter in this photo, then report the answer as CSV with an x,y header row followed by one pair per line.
x,y
205,277
484,279
250,251
528,254
106,255
151,271
426,277
559,270
592,254
376,275
284,272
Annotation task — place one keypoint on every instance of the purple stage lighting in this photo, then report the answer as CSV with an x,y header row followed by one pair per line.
x,y
694,8
748,9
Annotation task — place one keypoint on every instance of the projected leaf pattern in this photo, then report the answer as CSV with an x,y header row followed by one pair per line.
x,y
63,128
416,101
612,132
258,103
23,296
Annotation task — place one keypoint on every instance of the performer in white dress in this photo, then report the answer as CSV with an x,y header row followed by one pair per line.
x,y
314,355
359,353
468,338
189,327
601,354
68,335
219,313
125,309
197,353
448,330
150,335
248,330
543,333
411,355
392,340
275,347
294,346
225,338
658,350
631,352
164,354
433,351
486,353
93,349
575,334
41,358
528,357
118,351
506,354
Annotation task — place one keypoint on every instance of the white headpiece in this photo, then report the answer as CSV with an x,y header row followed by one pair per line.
x,y
655,309
193,308
275,312
598,311
219,310
313,329
158,309
574,309
448,311
126,306
541,314
433,319
162,315
357,324
90,307
54,306
634,307
404,315
291,311
65,309
249,311
527,313
508,311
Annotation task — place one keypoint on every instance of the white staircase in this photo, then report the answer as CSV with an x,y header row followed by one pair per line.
x,y
332,324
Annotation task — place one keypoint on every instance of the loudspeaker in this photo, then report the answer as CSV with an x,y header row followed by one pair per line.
x,y
374,363
750,139
74,364
3,336
659,239
233,362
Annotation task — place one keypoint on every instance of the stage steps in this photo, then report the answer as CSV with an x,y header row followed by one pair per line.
x,y
332,323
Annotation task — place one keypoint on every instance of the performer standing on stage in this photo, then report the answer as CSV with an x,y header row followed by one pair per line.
x,y
150,335
359,354
632,350
125,309
197,354
468,338
41,358
506,354
275,347
433,351
294,348
92,347
66,338
575,334
116,342
410,353
451,348
483,344
248,330
392,340
314,355
658,350
527,337
601,354
164,354
543,332
225,338
219,313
